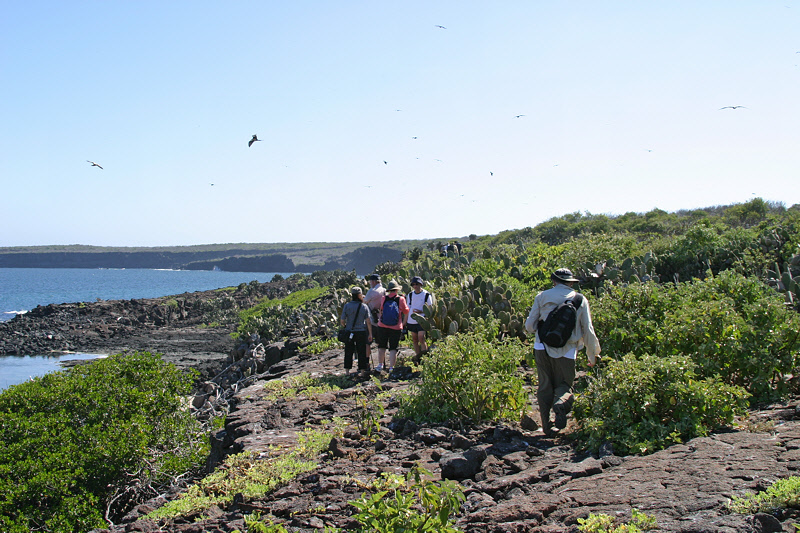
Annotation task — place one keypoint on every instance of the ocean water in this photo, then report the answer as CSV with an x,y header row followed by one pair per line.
x,y
22,289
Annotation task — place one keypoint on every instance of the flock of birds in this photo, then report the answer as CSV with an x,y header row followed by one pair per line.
x,y
255,138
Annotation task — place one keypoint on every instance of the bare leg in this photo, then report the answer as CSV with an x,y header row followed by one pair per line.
x,y
392,358
381,356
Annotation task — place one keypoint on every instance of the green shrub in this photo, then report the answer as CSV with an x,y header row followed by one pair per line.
x,y
603,523
414,504
731,326
644,405
468,377
77,442
251,474
783,494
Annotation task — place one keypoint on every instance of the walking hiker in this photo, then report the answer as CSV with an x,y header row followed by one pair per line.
x,y
373,300
567,332
391,322
416,300
355,319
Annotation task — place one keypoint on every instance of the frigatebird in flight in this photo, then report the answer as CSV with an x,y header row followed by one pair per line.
x,y
254,139
94,164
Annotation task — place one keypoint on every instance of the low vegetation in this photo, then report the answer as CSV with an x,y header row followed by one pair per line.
x,y
413,503
252,476
781,495
646,403
603,523
85,444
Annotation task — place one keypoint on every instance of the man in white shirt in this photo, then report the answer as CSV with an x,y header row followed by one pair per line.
x,y
555,366
416,300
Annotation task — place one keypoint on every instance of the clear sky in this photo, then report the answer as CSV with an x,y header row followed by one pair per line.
x,y
385,120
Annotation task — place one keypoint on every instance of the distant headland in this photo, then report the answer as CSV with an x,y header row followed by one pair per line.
x,y
265,257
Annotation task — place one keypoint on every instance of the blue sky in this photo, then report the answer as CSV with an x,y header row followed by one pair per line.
x,y
620,102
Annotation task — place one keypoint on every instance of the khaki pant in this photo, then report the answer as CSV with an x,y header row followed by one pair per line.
x,y
556,376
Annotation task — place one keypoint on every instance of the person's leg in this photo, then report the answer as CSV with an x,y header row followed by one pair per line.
x,y
394,342
423,344
349,347
544,391
382,339
564,376
415,341
361,350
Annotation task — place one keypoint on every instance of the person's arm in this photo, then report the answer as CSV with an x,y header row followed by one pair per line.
x,y
589,337
532,322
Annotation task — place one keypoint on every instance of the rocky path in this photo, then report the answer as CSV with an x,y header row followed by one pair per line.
x,y
515,480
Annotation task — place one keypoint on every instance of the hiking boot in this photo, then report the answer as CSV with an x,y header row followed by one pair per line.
x,y
561,415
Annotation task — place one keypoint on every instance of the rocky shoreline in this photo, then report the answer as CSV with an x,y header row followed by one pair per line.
x,y
515,479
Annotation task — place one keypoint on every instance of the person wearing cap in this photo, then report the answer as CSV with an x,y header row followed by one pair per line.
x,y
355,318
556,366
373,300
388,335
416,300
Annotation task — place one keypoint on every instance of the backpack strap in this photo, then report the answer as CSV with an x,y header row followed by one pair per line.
x,y
427,297
358,312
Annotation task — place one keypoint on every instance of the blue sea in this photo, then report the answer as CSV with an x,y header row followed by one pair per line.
x,y
22,289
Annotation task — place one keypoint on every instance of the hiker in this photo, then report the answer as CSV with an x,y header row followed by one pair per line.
x,y
416,300
555,365
373,300
391,322
355,318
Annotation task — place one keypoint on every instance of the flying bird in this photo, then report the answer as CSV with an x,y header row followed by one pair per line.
x,y
254,139
385,163
731,107
441,27
94,164
517,116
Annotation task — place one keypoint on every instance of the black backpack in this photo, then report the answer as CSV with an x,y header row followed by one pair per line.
x,y
557,328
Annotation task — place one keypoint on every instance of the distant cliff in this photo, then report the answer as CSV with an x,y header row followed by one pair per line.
x,y
258,263
363,260
138,259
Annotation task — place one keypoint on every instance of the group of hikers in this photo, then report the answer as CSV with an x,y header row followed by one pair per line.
x,y
383,315
559,317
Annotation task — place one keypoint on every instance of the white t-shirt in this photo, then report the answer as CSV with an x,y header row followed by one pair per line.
x,y
416,303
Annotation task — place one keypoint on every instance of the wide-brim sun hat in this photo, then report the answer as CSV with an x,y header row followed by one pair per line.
x,y
393,286
564,274
356,290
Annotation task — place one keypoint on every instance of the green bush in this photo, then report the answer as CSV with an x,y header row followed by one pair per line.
x,y
77,443
468,377
644,405
783,494
414,504
603,523
731,326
